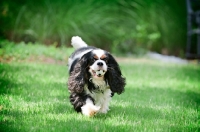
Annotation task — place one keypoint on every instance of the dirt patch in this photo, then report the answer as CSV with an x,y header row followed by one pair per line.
x,y
45,59
33,59
51,60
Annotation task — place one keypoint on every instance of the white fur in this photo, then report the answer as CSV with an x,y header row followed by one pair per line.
x,y
95,67
102,100
89,109
77,42
99,52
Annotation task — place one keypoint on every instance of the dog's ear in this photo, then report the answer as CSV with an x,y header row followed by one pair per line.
x,y
114,76
78,76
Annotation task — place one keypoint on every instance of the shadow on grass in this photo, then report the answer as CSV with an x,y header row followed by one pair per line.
x,y
7,82
12,87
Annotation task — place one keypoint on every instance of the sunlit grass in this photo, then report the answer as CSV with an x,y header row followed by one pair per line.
x,y
158,97
10,51
34,97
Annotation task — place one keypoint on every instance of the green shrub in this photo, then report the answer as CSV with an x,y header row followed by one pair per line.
x,y
115,25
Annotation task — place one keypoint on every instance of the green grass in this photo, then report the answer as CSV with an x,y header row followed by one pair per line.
x,y
9,51
158,97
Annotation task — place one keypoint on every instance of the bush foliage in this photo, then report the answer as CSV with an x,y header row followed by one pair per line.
x,y
121,26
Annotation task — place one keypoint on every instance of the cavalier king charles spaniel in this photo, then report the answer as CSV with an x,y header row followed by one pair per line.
x,y
94,78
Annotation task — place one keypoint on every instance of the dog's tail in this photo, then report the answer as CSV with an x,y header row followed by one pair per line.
x,y
77,42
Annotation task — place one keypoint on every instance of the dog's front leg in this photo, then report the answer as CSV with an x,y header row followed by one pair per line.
x,y
89,109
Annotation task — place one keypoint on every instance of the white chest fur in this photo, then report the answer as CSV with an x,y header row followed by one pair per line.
x,y
101,96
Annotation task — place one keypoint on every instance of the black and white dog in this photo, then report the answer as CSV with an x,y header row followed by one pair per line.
x,y
94,78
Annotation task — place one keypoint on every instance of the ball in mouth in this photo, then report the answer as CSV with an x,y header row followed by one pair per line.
x,y
98,73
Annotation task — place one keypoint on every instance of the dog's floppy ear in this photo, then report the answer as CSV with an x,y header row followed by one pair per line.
x,y
114,76
78,75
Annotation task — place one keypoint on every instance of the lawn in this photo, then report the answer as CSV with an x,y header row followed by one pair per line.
x,y
34,96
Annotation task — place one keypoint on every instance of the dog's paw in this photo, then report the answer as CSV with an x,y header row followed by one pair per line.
x,y
90,110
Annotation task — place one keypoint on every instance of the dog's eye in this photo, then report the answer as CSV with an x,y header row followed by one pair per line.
x,y
94,59
105,59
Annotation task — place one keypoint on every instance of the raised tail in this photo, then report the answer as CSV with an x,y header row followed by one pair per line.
x,y
77,42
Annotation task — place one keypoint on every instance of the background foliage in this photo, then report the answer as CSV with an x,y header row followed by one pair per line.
x,y
121,26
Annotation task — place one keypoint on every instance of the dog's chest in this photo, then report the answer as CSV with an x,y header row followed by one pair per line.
x,y
99,84
101,93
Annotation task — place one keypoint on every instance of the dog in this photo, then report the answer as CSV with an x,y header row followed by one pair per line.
x,y
94,77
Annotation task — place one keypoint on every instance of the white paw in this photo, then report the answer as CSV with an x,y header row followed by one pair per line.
x,y
90,110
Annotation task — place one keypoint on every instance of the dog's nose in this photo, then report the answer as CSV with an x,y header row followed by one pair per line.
x,y
100,64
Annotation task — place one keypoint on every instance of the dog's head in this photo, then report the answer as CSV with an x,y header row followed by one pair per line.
x,y
98,64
